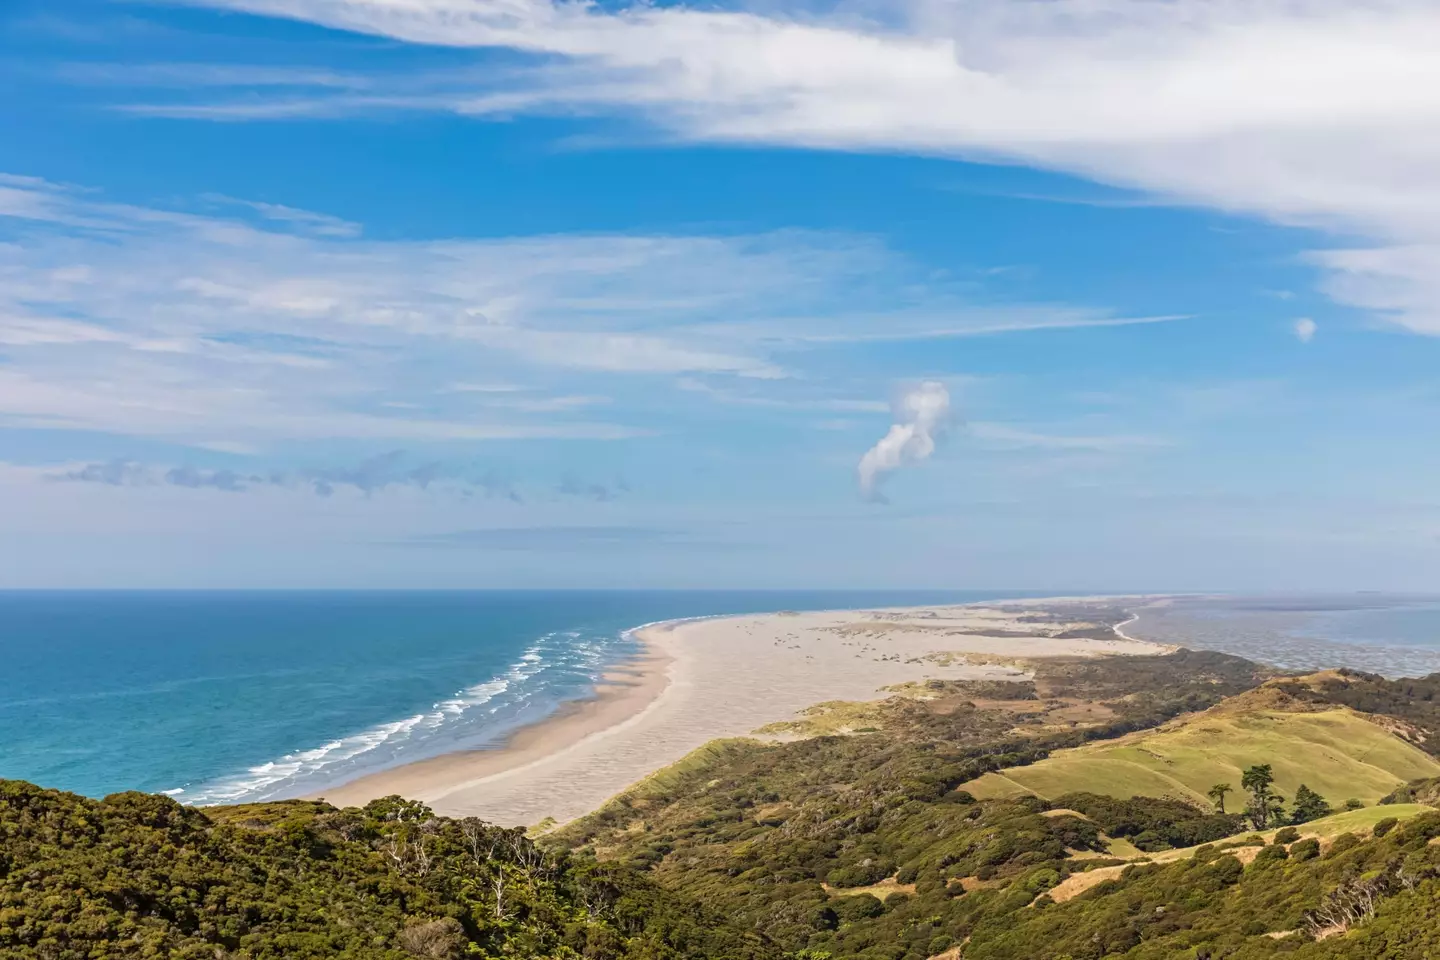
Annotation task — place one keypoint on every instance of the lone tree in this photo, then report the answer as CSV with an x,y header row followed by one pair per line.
x,y
1265,806
1217,795
1308,806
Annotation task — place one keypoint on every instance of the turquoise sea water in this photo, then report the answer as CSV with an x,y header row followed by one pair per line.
x,y
235,696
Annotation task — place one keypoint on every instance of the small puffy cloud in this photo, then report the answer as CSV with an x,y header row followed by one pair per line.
x,y
1304,329
920,416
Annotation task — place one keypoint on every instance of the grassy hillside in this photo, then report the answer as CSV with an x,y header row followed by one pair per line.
x,y
1336,751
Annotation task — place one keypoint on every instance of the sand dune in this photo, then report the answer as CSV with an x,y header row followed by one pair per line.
x,y
704,679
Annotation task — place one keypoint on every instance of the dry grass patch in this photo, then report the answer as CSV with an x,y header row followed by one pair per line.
x,y
879,890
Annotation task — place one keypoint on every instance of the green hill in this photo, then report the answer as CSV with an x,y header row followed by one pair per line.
x,y
1336,751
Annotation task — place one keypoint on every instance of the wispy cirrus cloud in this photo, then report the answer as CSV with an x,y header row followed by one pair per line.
x,y
307,221
1314,113
265,323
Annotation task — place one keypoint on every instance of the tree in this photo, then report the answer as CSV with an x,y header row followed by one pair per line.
x,y
1308,806
1265,804
1217,795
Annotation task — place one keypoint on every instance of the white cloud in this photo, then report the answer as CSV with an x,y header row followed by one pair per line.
x,y
306,221
1317,113
920,415
276,323
1400,284
1304,329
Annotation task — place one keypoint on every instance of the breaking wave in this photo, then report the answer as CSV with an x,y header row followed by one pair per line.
x,y
558,666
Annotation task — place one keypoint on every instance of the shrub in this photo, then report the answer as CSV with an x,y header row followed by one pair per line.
x,y
1307,849
824,918
861,907
928,885
859,874
1383,827
1040,880
1270,854
1418,830
1286,835
1346,841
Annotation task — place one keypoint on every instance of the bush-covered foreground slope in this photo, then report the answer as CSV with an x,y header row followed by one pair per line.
x,y
864,846
1370,899
141,876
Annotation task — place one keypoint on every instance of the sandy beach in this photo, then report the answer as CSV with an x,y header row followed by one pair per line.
x,y
704,679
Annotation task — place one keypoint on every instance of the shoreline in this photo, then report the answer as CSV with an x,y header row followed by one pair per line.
x,y
623,693
705,678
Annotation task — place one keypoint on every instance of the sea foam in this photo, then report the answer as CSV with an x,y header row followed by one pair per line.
x,y
563,653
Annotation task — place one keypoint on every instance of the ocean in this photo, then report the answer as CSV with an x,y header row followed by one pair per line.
x,y
228,697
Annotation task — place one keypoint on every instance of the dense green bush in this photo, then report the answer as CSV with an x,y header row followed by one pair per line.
x,y
1286,835
859,907
139,876
1153,824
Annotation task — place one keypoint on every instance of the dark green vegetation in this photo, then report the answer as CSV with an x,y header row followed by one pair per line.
x,y
1153,825
1374,899
141,876
1417,791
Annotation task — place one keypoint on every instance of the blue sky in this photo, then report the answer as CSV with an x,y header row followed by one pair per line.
x,y
468,293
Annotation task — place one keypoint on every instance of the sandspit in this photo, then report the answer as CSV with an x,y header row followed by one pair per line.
x,y
700,680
